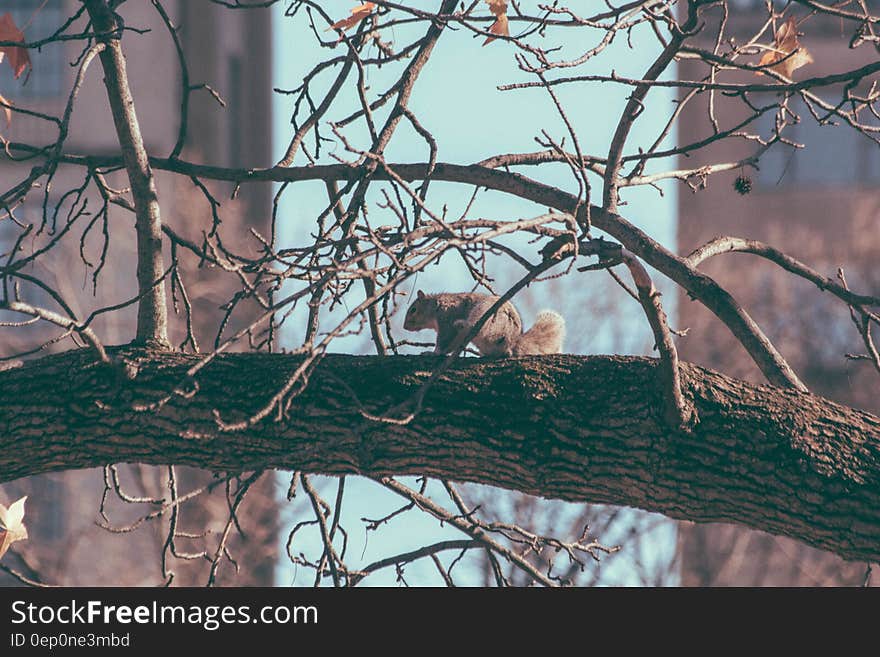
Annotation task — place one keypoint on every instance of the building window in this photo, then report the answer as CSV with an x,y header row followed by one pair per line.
x,y
50,517
31,212
46,80
235,115
780,5
832,156
750,5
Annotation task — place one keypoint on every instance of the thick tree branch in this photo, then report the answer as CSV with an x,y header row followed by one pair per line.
x,y
152,328
728,244
698,285
574,428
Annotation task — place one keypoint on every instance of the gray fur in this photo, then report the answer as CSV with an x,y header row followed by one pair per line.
x,y
452,315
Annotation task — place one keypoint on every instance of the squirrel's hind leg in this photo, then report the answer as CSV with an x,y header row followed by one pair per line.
x,y
492,341
498,347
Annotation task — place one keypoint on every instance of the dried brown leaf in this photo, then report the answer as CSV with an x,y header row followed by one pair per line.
x,y
18,58
787,50
500,26
358,14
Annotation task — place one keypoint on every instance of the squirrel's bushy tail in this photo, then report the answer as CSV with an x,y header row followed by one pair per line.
x,y
545,337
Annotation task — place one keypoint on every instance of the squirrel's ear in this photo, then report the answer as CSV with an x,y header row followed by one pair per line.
x,y
420,294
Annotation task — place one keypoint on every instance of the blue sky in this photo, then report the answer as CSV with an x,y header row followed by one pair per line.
x,y
457,99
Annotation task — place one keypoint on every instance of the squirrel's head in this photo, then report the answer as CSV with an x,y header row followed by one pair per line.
x,y
421,314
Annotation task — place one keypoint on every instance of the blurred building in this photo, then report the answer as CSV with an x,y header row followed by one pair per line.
x,y
819,204
230,52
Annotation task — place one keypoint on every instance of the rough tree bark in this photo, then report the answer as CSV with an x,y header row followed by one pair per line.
x,y
567,427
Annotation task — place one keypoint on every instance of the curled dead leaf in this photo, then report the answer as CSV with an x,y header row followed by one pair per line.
x,y
500,26
358,14
787,50
7,112
12,524
497,7
18,57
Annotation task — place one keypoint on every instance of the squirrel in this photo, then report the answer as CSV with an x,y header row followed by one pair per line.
x,y
452,315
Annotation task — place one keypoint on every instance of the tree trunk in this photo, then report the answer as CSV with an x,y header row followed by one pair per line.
x,y
586,429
